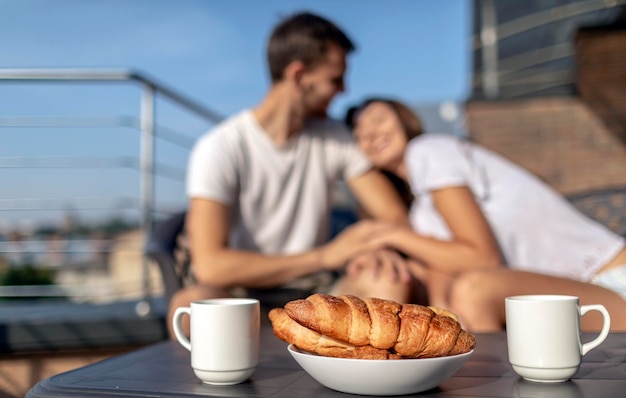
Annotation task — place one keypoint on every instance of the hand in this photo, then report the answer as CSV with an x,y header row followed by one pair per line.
x,y
391,238
380,264
356,239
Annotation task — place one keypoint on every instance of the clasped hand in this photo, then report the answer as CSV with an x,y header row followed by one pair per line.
x,y
362,250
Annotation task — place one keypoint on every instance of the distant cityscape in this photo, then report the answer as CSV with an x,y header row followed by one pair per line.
x,y
70,242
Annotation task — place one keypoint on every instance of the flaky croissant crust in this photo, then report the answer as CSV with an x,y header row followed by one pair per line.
x,y
370,328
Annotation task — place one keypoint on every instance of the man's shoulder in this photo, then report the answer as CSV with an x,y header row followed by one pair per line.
x,y
228,130
236,122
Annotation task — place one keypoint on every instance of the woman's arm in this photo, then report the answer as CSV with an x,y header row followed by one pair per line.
x,y
473,245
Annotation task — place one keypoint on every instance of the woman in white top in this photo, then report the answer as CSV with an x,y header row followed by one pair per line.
x,y
483,228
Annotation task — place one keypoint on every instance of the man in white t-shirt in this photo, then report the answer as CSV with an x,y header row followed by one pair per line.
x,y
260,185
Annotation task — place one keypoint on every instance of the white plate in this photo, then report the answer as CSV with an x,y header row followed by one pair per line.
x,y
379,377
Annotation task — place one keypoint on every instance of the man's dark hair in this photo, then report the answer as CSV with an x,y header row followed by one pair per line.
x,y
305,37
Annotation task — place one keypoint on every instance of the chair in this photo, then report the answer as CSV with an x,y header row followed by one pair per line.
x,y
167,247
607,206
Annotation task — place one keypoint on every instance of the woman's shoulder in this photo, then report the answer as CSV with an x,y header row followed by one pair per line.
x,y
434,142
435,139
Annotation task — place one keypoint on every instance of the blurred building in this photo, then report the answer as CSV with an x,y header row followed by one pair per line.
x,y
549,88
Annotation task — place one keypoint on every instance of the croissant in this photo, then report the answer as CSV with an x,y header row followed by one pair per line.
x,y
306,339
404,330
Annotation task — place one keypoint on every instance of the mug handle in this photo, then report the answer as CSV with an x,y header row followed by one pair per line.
x,y
605,326
178,328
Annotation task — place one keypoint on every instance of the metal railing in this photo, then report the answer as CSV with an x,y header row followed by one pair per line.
x,y
146,124
512,74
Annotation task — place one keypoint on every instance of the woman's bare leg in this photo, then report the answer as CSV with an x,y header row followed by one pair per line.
x,y
478,297
436,284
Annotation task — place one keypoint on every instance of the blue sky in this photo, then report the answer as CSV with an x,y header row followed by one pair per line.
x,y
209,50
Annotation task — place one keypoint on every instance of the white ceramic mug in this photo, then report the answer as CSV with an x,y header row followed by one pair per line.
x,y
543,335
224,341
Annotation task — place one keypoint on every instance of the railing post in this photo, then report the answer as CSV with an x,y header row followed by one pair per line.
x,y
489,39
146,185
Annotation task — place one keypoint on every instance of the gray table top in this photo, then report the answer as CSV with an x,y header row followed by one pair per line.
x,y
163,370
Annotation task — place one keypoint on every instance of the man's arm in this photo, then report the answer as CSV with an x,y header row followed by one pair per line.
x,y
378,198
217,265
